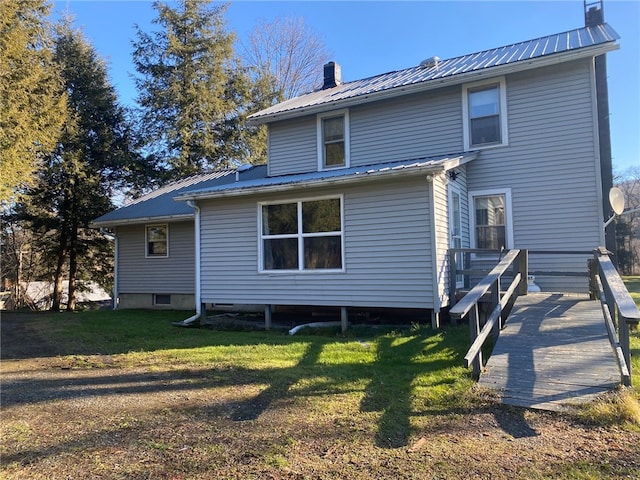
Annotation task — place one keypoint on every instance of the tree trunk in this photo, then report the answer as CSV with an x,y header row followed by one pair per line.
x,y
56,296
73,268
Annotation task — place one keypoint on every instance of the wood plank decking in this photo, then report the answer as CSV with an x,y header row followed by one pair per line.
x,y
553,351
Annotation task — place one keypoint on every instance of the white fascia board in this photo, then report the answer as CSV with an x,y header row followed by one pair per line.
x,y
141,220
460,78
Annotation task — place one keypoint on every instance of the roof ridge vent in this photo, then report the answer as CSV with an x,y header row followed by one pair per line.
x,y
430,62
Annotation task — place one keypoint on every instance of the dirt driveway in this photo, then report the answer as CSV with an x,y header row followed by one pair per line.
x,y
84,416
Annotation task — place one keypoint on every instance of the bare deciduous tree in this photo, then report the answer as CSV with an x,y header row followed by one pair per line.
x,y
289,52
628,224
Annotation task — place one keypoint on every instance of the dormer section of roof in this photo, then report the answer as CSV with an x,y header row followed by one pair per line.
x,y
589,41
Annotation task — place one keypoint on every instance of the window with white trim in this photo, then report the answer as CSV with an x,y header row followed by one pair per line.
x,y
157,240
333,140
301,235
485,114
491,219
490,224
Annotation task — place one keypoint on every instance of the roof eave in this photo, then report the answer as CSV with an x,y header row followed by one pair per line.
x,y
324,182
460,78
140,220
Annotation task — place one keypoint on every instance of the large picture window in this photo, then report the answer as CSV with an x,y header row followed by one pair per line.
x,y
302,235
157,240
484,107
333,140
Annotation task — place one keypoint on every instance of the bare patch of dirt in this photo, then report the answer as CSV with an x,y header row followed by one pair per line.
x,y
90,417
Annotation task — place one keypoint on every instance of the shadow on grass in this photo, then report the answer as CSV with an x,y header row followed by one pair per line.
x,y
400,360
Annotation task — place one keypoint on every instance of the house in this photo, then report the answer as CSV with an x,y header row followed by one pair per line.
x,y
154,243
370,182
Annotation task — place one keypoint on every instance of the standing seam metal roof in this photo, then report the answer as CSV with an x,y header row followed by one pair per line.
x,y
524,51
409,166
160,203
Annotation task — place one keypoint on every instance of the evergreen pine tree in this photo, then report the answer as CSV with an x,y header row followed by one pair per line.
x,y
193,95
32,101
92,157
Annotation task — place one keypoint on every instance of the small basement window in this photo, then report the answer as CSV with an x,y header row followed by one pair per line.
x,y
161,299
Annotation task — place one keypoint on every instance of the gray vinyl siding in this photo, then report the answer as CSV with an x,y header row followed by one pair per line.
x,y
174,274
549,165
416,126
293,146
387,241
411,127
441,240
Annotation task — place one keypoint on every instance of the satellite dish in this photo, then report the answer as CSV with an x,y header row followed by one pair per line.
x,y
616,199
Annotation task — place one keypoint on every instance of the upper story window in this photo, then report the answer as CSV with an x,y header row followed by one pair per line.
x,y
485,114
333,140
302,235
157,240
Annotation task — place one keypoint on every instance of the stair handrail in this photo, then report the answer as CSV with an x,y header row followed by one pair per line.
x,y
620,311
468,305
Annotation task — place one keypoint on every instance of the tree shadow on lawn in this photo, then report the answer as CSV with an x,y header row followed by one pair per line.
x,y
390,380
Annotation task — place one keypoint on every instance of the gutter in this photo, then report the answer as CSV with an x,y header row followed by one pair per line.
x,y
432,84
137,220
115,271
188,321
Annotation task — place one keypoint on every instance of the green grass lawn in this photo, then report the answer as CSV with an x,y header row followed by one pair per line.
x,y
128,395
633,285
392,367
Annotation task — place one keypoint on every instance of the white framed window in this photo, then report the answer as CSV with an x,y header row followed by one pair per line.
x,y
333,140
491,219
302,235
157,241
484,111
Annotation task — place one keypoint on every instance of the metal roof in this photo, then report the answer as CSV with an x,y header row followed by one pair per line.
x,y
585,41
159,204
423,165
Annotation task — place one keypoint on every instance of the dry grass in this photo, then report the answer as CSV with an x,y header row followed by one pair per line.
x,y
620,407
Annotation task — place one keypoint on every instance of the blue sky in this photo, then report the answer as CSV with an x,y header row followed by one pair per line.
x,y
367,38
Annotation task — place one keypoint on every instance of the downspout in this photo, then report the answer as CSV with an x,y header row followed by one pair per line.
x,y
187,322
115,269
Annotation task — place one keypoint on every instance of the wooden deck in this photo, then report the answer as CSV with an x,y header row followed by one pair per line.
x,y
554,351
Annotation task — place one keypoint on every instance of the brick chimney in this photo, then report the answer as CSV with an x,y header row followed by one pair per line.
x,y
332,75
593,13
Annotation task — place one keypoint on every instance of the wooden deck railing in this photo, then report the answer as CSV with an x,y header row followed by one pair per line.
x,y
514,261
620,311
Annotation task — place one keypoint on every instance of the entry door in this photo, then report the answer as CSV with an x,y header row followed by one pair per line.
x,y
455,230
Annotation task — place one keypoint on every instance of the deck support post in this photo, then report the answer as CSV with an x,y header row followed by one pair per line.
x,y
452,279
267,317
523,269
474,331
623,328
495,301
344,319
435,319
